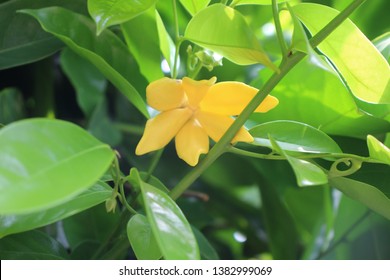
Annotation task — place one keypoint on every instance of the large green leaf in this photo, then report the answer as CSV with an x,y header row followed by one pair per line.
x,y
22,39
194,6
256,2
167,46
88,82
294,136
142,239
315,96
110,12
170,227
225,31
378,150
44,163
361,65
32,245
107,52
382,43
364,193
307,173
145,49
10,224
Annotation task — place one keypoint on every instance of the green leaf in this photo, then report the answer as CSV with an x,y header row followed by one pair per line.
x,y
169,226
225,31
11,105
310,94
22,39
88,82
145,49
167,46
107,52
378,150
294,136
44,163
32,245
382,43
207,251
194,6
142,239
255,2
364,193
361,65
307,173
10,224
110,12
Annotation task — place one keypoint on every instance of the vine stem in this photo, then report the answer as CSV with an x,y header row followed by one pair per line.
x,y
223,144
178,40
278,27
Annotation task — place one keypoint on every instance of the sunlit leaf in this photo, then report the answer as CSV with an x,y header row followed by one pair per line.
x,y
361,65
167,46
170,227
256,2
378,150
307,173
44,163
194,6
225,31
364,193
142,239
382,43
10,224
294,136
107,52
110,12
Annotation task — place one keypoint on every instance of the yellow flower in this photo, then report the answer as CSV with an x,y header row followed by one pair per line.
x,y
192,111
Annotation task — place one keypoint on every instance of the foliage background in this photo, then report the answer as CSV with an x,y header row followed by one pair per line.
x,y
246,208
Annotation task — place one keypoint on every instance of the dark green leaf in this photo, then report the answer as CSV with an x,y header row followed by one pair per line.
x,y
10,224
107,52
88,82
207,252
11,105
110,12
294,136
44,163
32,245
142,239
22,39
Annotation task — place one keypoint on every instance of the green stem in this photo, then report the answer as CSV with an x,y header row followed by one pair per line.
x,y
124,200
178,40
278,27
222,145
154,163
128,128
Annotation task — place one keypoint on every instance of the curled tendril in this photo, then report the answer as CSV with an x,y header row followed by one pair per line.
x,y
352,164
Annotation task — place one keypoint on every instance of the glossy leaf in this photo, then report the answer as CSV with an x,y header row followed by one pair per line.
x,y
106,52
382,43
110,12
10,224
294,136
145,49
23,40
169,226
256,2
32,245
194,6
310,94
225,31
167,46
361,65
307,173
378,150
88,82
41,162
142,239
364,193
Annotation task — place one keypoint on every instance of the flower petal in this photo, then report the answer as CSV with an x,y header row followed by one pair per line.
x,y
165,94
196,90
191,141
230,98
216,126
160,130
